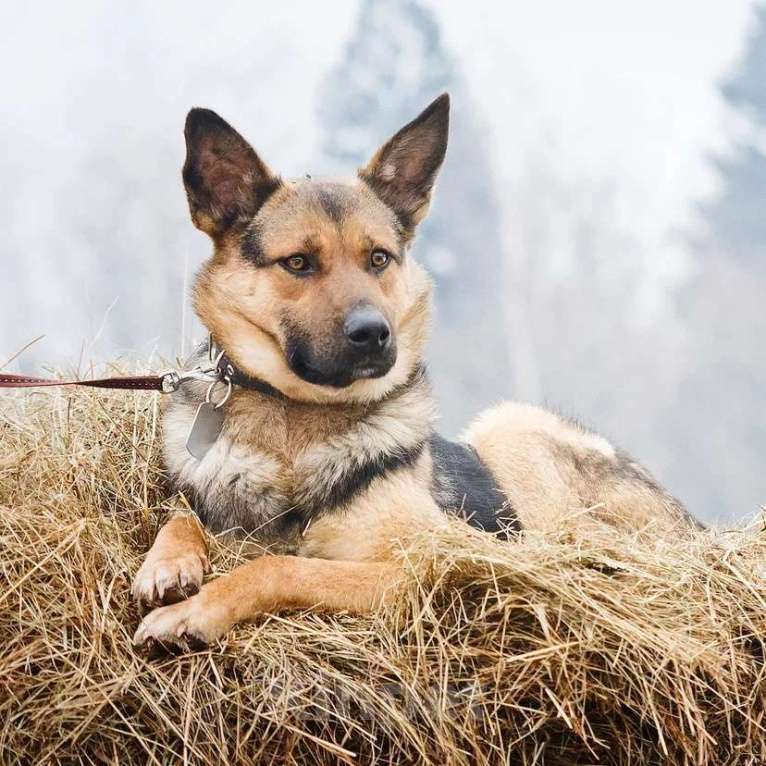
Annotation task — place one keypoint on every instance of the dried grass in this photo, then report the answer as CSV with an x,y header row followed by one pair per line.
x,y
545,651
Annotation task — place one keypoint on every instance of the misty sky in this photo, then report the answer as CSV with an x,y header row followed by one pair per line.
x,y
613,92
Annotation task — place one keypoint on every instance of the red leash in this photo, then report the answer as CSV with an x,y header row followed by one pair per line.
x,y
166,383
218,370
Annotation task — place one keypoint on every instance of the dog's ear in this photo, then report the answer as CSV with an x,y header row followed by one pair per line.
x,y
403,170
226,181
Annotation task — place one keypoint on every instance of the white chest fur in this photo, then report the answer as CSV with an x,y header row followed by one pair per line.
x,y
256,484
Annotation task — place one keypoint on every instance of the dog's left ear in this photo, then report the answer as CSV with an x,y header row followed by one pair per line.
x,y
403,170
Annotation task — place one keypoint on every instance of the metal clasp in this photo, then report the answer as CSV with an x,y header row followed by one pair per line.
x,y
173,380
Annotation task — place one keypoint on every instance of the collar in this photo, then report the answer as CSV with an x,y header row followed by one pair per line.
x,y
230,373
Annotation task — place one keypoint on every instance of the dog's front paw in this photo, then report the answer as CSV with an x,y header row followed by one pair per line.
x,y
188,624
170,579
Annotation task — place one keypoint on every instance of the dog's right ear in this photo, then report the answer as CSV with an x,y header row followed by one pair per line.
x,y
226,181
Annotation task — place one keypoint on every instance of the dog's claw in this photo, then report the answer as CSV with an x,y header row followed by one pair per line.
x,y
190,624
169,580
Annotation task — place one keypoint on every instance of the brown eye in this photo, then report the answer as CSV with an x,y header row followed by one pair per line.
x,y
379,259
296,263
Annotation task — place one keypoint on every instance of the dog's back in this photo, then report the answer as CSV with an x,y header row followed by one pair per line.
x,y
555,472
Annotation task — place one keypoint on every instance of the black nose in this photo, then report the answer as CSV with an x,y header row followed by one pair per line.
x,y
367,330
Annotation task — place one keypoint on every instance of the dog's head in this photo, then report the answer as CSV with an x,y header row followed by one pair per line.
x,y
310,287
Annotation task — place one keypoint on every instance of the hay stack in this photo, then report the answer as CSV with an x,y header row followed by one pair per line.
x,y
545,651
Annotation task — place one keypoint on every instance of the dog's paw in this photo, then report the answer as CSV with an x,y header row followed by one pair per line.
x,y
169,580
189,624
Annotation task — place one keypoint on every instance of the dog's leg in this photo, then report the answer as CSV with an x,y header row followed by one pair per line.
x,y
271,584
175,565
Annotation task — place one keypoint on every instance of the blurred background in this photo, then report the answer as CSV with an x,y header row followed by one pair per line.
x,y
598,233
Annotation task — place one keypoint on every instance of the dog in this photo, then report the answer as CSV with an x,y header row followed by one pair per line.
x,y
324,452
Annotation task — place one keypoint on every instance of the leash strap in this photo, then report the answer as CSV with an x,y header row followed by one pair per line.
x,y
163,383
221,369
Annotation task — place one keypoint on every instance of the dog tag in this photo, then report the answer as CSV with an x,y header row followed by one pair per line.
x,y
205,430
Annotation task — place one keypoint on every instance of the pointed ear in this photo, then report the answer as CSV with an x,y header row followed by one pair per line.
x,y
403,170
226,181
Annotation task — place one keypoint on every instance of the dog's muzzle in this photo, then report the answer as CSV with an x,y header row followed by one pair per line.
x,y
365,347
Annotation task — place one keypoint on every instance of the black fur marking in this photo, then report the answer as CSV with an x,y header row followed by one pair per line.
x,y
359,478
462,484
262,190
333,202
251,247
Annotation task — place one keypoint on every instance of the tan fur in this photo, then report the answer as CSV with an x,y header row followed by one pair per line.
x,y
381,521
175,565
554,471
345,564
279,455
240,305
269,584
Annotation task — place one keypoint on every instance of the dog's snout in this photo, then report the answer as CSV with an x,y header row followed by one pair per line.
x,y
364,346
367,330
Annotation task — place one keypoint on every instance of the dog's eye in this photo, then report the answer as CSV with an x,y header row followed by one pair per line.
x,y
296,263
379,259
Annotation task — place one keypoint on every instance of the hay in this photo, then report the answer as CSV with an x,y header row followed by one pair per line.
x,y
546,651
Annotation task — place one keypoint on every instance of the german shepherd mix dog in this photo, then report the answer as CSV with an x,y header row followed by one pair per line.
x,y
325,451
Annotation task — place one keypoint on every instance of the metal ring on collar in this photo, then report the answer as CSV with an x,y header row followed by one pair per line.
x,y
209,392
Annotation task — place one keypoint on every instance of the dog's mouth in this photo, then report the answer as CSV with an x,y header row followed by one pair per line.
x,y
337,376
338,371
367,372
